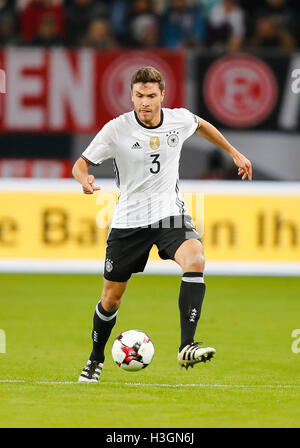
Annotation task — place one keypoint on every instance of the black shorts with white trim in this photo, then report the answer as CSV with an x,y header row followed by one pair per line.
x,y
127,250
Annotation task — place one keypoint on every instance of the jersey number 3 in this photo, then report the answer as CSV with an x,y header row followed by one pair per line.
x,y
156,162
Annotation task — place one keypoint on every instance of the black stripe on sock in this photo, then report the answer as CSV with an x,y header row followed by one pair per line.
x,y
102,311
193,274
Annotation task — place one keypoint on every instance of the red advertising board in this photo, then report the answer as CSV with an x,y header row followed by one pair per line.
x,y
58,90
40,168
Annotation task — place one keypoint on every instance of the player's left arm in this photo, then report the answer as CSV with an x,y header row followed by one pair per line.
x,y
210,133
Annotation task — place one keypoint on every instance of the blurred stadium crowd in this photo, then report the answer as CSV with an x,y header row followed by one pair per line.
x,y
108,24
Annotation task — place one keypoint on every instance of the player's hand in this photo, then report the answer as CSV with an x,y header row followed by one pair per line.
x,y
244,165
88,186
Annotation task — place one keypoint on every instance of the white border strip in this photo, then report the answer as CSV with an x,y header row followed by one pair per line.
x,y
64,266
111,383
220,187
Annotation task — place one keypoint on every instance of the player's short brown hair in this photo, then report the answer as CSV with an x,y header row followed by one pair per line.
x,y
148,74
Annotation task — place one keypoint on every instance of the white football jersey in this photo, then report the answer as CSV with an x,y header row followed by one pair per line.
x,y
146,164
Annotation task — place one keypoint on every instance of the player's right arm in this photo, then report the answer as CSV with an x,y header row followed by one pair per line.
x,y
80,172
101,148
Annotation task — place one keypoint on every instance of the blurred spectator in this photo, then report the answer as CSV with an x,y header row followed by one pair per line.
x,y
182,25
144,24
47,35
226,25
80,13
119,11
160,6
270,34
34,12
8,33
281,12
207,5
150,35
99,36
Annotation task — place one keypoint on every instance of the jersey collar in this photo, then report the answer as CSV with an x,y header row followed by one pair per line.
x,y
151,127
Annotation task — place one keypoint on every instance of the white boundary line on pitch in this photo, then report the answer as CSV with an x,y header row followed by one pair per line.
x,y
245,386
231,268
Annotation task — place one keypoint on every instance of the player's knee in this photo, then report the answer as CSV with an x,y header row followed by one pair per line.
x,y
195,263
111,300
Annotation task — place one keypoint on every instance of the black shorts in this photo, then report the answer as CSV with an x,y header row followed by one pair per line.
x,y
127,250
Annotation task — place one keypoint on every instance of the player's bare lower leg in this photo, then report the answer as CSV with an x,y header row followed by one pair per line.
x,y
190,256
104,320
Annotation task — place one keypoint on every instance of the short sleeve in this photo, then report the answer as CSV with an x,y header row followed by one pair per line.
x,y
190,121
101,147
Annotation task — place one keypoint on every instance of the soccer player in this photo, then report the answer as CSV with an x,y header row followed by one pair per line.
x,y
145,146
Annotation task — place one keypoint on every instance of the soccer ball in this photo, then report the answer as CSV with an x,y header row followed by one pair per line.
x,y
132,350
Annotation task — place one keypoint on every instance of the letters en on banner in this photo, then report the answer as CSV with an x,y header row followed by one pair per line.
x,y
59,90
65,225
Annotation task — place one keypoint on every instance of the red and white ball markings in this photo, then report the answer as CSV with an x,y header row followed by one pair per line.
x,y
132,350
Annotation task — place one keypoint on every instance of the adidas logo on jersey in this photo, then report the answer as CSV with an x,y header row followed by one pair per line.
x,y
136,146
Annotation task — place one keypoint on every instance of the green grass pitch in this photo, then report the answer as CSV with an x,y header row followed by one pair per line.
x,y
254,381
